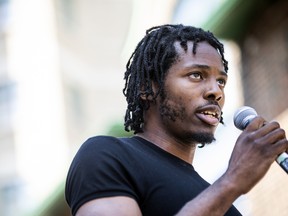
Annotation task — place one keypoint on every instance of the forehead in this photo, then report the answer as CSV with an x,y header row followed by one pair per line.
x,y
205,54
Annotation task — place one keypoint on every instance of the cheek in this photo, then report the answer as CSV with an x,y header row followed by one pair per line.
x,y
222,102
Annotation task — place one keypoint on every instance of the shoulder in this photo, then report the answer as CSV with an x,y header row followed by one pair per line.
x,y
104,149
100,140
101,143
98,170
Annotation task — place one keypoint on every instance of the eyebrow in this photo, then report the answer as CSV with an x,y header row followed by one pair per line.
x,y
207,67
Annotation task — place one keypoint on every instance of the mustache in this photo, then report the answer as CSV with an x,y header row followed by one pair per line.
x,y
209,103
214,103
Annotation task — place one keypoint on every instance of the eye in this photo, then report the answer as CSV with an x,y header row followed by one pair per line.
x,y
196,75
222,82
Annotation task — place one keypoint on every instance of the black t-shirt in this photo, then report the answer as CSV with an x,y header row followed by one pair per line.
x,y
106,166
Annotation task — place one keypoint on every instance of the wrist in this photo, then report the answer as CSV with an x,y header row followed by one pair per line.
x,y
230,185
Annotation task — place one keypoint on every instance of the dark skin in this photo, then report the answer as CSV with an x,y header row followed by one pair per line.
x,y
194,89
194,85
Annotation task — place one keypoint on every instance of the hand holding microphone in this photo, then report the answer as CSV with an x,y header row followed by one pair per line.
x,y
242,118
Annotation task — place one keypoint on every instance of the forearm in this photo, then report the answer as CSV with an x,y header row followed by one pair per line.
x,y
215,200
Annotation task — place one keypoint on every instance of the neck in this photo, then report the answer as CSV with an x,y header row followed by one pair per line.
x,y
184,151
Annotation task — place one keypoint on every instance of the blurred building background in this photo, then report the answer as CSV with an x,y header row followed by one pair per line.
x,y
61,81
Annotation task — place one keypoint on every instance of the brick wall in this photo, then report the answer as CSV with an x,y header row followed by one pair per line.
x,y
265,61
265,85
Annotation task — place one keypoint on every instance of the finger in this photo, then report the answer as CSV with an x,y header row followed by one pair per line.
x,y
256,123
280,147
271,134
262,128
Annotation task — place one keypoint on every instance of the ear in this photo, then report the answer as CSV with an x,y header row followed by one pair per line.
x,y
143,96
146,97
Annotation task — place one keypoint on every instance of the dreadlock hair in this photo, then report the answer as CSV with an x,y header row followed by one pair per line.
x,y
149,63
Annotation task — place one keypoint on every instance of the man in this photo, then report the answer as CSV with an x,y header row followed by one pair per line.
x,y
175,82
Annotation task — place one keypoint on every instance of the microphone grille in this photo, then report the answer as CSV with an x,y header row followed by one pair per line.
x,y
243,116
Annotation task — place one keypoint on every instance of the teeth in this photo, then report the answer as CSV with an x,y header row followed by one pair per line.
x,y
211,113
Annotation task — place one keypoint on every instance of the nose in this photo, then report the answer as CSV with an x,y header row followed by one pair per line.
x,y
214,92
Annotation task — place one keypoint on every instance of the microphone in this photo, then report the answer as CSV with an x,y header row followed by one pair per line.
x,y
242,117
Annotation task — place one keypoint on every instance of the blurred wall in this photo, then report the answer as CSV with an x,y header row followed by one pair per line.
x,y
61,78
265,85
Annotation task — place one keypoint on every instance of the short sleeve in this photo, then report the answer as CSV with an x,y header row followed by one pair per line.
x,y
98,170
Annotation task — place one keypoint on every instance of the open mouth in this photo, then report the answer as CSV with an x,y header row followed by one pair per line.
x,y
209,115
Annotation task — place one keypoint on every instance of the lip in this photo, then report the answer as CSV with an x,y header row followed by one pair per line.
x,y
209,114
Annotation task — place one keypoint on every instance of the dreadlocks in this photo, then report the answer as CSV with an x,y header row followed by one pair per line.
x,y
150,61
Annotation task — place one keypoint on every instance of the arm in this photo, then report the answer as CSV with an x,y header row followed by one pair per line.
x,y
255,150
119,205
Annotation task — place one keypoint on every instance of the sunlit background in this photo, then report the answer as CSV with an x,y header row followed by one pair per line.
x,y
61,78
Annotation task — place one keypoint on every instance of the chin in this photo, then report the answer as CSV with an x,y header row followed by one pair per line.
x,y
200,138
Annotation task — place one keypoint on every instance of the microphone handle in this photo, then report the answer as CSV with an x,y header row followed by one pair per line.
x,y
282,160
